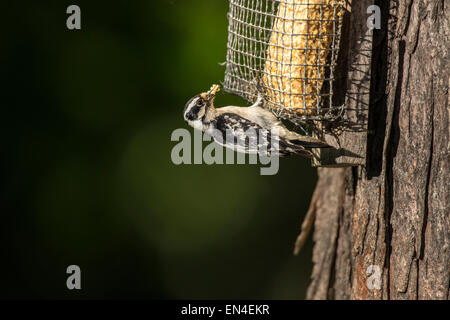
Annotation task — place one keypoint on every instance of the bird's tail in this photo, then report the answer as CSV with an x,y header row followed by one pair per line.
x,y
309,142
302,140
297,149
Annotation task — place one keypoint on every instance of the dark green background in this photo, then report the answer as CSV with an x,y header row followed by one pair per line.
x,y
87,176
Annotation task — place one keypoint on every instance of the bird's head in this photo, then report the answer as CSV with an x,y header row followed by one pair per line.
x,y
196,108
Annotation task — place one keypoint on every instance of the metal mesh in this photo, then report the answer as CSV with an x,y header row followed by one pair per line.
x,y
285,50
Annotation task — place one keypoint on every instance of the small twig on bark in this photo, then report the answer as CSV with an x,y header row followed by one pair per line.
x,y
307,224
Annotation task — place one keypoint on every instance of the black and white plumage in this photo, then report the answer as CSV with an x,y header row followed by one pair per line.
x,y
230,126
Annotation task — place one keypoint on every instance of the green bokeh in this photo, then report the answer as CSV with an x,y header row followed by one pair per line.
x,y
86,126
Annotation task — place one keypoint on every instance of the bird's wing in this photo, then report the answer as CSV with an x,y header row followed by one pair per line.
x,y
267,120
243,135
240,134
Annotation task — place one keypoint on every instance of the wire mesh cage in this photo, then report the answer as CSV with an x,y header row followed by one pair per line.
x,y
286,51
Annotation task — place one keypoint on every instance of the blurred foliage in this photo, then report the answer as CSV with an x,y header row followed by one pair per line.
x,y
87,177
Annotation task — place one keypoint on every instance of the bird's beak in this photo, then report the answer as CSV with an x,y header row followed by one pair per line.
x,y
211,94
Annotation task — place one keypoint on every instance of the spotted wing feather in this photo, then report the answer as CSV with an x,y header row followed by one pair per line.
x,y
243,135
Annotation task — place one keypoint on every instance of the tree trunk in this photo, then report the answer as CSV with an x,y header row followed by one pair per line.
x,y
392,216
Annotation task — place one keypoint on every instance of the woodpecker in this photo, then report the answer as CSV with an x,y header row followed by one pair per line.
x,y
229,127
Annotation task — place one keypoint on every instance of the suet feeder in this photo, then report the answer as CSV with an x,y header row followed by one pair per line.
x,y
310,60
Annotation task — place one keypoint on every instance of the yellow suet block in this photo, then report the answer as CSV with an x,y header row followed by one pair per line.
x,y
298,53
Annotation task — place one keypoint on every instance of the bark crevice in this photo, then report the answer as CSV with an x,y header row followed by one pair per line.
x,y
393,213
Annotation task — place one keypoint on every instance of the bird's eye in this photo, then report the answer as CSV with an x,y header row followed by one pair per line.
x,y
200,103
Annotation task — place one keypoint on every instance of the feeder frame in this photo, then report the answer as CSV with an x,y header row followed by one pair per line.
x,y
340,114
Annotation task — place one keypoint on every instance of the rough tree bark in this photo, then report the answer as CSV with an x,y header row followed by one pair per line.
x,y
394,213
